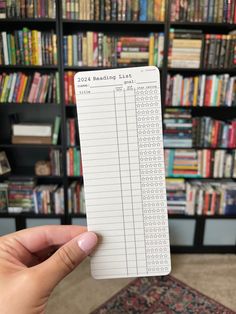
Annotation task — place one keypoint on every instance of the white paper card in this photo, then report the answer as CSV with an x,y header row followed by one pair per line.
x,y
120,127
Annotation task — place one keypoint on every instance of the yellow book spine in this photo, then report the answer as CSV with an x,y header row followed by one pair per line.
x,y
90,48
5,88
162,13
195,91
54,44
151,50
34,47
69,43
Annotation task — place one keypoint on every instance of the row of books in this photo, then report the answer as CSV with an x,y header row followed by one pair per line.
x,y
201,198
220,51
23,195
114,10
99,49
202,90
76,201
208,132
27,9
28,47
186,49
72,133
73,159
212,11
20,87
181,130
204,163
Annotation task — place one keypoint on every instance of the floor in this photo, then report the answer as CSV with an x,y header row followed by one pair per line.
x,y
213,275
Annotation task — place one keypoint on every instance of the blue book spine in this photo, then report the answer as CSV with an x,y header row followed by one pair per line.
x,y
143,10
65,53
171,162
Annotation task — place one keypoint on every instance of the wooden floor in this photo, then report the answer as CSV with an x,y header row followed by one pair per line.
x,y
213,275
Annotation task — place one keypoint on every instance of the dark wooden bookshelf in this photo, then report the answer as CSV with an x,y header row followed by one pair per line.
x,y
65,27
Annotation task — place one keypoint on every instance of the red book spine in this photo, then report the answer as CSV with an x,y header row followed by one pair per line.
x,y
208,87
72,132
66,88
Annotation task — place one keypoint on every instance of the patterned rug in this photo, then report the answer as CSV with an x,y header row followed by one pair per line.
x,y
148,295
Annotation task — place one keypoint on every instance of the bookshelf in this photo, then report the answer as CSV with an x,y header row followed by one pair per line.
x,y
189,233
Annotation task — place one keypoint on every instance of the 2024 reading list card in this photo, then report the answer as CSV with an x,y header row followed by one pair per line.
x,y
120,128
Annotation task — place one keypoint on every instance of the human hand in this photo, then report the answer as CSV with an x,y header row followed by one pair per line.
x,y
30,268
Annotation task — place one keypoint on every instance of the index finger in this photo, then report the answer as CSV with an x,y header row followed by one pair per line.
x,y
39,238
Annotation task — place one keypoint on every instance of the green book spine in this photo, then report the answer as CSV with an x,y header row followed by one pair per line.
x,y
57,88
55,135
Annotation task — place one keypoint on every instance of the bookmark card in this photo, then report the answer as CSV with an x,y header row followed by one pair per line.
x,y
120,127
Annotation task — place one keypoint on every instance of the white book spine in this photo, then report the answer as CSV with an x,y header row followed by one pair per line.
x,y
5,50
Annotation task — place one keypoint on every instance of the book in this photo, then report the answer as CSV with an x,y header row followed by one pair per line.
x,y
56,130
24,129
3,197
31,139
4,164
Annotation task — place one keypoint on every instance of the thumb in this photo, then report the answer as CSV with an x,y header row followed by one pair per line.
x,y
65,259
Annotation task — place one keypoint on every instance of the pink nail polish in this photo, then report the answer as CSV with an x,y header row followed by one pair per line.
x,y
87,241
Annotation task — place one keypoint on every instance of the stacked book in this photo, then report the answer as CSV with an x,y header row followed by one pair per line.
x,y
177,128
202,90
176,196
74,166
28,47
69,90
204,163
140,50
27,9
182,163
25,133
103,50
185,48
114,10
76,202
208,132
72,132
31,88
211,198
211,11
220,51
49,199
21,195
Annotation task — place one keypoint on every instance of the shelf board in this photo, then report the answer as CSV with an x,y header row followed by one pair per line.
x,y
28,67
75,177
29,104
70,105
203,25
201,107
201,178
30,215
92,22
91,68
28,172
202,70
200,148
30,146
27,20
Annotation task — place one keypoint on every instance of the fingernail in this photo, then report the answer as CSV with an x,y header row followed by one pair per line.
x,y
87,241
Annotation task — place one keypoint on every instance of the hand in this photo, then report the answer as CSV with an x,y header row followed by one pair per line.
x,y
35,260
